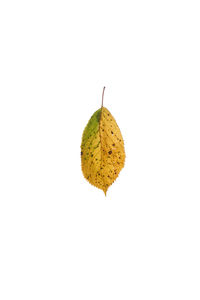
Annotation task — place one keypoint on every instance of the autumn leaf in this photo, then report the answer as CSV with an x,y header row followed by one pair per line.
x,y
102,149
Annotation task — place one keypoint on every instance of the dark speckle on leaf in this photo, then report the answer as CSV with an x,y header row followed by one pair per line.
x,y
110,152
112,132
81,153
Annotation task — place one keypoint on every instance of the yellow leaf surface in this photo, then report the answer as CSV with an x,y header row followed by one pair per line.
x,y
102,149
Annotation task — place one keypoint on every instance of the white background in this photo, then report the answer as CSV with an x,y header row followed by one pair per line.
x,y
60,238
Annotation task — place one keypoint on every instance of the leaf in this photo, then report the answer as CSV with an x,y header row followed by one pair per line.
x,y
102,149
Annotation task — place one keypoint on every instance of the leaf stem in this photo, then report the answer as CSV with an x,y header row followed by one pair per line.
x,y
102,96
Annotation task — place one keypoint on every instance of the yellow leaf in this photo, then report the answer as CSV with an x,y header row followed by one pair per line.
x,y
102,149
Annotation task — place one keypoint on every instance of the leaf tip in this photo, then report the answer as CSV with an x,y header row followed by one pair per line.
x,y
105,191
